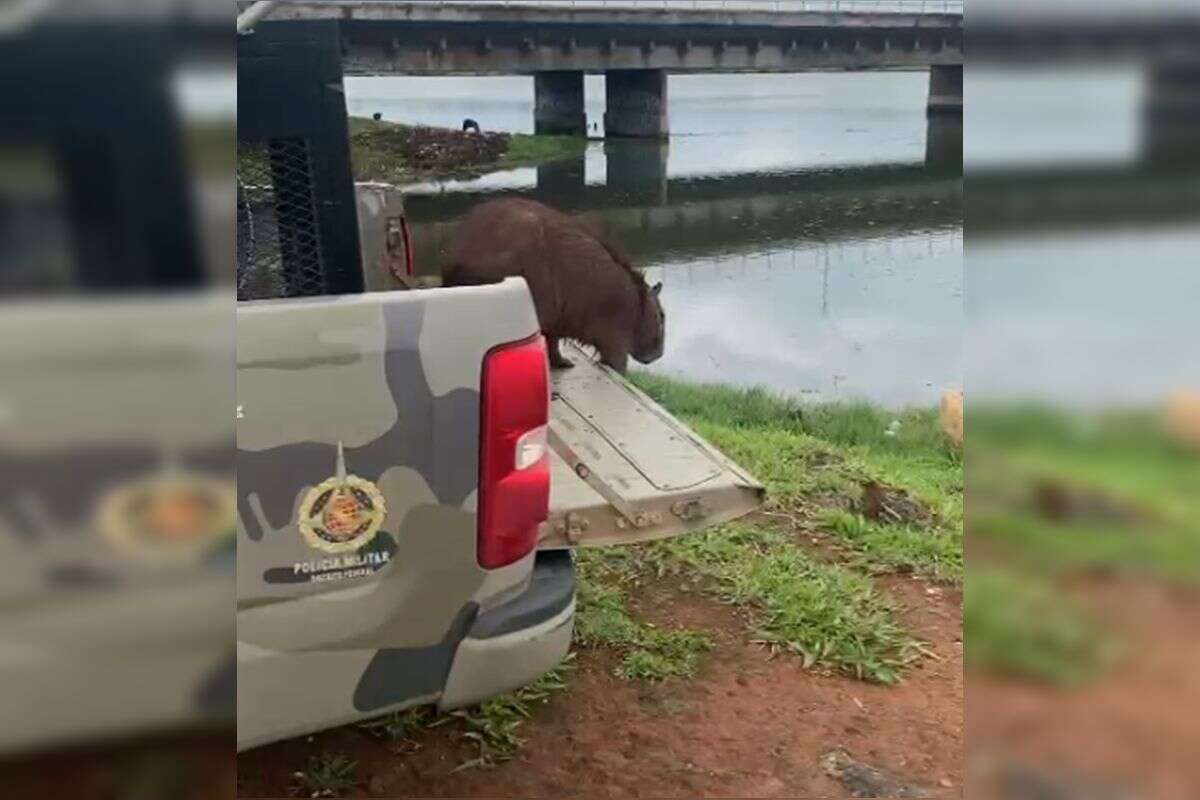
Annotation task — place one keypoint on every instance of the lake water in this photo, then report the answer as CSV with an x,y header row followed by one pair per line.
x,y
807,228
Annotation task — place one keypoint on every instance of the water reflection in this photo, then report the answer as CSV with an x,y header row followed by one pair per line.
x,y
875,318
944,145
837,283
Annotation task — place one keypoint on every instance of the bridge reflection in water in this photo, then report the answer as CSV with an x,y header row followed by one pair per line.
x,y
831,282
658,218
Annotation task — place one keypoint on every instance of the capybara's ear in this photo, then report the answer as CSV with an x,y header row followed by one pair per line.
x,y
656,288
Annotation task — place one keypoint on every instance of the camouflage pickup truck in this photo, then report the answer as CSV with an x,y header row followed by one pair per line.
x,y
410,476
411,479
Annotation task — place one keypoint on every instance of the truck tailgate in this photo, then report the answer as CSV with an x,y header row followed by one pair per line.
x,y
625,470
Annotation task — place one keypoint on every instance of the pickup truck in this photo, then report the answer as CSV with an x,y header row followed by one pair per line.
x,y
411,479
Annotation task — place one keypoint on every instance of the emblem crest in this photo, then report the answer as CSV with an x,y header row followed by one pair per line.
x,y
343,513
169,518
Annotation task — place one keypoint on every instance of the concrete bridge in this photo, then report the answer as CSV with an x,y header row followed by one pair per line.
x,y
636,44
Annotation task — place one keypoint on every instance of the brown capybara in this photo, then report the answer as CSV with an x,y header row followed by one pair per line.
x,y
582,287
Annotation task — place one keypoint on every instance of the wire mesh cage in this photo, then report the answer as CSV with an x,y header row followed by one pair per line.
x,y
279,251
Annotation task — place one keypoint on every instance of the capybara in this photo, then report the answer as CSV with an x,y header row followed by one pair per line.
x,y
583,288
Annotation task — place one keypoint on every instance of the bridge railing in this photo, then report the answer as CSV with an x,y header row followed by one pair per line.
x,y
849,6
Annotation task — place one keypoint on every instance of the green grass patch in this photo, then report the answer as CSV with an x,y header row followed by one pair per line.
x,y
1058,493
664,654
939,551
602,619
494,724
815,458
397,153
842,424
400,725
828,615
529,150
1019,626
328,775
1068,492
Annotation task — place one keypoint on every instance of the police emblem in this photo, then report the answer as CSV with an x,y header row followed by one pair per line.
x,y
343,513
169,518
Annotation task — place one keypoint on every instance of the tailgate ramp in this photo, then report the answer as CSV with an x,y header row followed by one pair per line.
x,y
625,470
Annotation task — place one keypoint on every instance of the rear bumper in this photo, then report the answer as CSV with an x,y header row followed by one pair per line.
x,y
514,644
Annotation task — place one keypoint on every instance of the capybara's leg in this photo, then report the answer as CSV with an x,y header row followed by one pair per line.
x,y
556,358
616,358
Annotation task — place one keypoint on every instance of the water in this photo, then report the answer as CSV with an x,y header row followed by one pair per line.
x,y
1096,309
807,228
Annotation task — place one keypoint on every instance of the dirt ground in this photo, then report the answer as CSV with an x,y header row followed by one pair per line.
x,y
1133,733
748,725
182,765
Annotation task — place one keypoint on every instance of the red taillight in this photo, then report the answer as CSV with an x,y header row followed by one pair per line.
x,y
514,471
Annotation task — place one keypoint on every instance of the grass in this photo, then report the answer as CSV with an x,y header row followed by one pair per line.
x,y
897,548
603,620
827,614
328,775
494,724
815,461
1067,493
384,151
399,725
528,150
1019,626
1058,495
815,458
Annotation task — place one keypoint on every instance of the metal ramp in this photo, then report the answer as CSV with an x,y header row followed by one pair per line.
x,y
625,470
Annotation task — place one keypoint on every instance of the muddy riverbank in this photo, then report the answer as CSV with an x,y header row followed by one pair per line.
x,y
397,153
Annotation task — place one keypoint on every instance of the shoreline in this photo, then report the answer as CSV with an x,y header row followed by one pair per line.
x,y
397,153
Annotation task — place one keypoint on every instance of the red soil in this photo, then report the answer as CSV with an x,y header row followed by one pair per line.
x,y
747,726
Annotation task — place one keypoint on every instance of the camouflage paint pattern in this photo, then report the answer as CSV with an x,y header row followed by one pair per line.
x,y
101,396
394,378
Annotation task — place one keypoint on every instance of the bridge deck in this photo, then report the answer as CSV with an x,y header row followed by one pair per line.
x,y
497,38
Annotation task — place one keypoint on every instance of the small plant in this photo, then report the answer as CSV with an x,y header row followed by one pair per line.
x,y
328,775
846,524
493,725
399,725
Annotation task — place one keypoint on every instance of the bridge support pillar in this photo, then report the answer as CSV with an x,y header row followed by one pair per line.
x,y
558,103
1171,116
636,103
945,89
